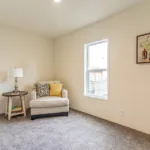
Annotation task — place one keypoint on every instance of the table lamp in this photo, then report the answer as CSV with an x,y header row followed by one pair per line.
x,y
16,73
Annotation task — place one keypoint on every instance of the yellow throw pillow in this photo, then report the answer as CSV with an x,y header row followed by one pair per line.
x,y
55,90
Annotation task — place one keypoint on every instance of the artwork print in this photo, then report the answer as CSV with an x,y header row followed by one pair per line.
x,y
143,49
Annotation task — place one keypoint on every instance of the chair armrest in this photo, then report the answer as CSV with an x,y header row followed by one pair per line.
x,y
33,95
64,93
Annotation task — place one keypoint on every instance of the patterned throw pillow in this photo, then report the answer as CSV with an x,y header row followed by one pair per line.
x,y
42,90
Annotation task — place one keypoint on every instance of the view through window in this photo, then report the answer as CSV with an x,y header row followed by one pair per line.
x,y
96,69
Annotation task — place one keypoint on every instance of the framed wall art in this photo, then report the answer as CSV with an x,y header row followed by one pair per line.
x,y
143,48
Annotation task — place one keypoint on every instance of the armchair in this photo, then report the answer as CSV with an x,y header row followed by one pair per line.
x,y
49,105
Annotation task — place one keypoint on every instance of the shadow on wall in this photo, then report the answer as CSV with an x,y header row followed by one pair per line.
x,y
3,77
5,86
29,89
2,104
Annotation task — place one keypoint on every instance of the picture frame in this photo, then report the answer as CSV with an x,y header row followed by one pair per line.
x,y
143,48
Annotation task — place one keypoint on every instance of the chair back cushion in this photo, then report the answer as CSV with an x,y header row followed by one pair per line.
x,y
49,82
43,88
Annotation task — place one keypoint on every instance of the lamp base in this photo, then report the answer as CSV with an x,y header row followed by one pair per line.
x,y
16,91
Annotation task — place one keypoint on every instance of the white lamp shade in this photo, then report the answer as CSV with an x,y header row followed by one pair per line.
x,y
16,72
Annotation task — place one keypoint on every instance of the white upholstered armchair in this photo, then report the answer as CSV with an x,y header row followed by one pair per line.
x,y
49,105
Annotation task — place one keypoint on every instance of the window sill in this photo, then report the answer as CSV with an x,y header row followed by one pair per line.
x,y
96,97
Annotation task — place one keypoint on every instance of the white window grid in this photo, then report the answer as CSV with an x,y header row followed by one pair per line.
x,y
100,87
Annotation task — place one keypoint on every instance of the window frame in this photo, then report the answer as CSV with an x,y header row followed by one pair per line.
x,y
86,71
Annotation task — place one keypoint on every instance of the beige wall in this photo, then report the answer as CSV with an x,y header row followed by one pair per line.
x,y
129,83
21,49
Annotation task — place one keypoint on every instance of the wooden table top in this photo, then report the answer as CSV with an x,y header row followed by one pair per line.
x,y
12,94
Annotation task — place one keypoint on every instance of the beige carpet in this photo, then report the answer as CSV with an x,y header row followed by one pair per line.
x,y
76,132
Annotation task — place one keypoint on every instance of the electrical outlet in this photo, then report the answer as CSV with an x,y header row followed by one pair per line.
x,y
122,113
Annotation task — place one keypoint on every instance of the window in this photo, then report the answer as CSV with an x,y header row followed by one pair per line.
x,y
96,69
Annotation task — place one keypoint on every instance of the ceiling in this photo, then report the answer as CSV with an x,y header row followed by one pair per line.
x,y
55,19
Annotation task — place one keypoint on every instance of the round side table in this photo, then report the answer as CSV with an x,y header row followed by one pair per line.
x,y
8,110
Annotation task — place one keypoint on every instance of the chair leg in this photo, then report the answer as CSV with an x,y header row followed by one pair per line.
x,y
32,118
66,114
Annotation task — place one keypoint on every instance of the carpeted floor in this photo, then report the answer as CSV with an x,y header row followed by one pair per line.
x,y
76,132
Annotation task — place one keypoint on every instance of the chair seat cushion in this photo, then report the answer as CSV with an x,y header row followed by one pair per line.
x,y
49,101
